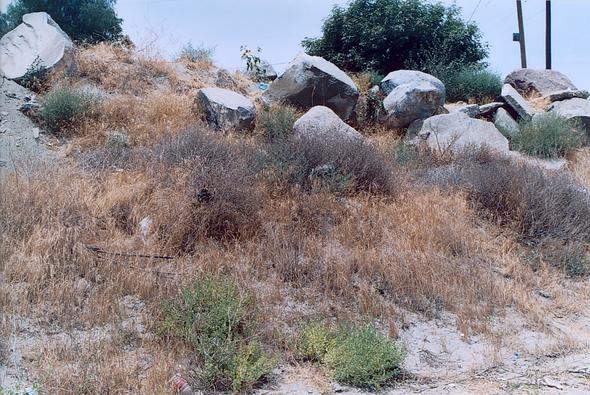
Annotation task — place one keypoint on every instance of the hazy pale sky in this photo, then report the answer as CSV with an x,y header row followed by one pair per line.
x,y
278,26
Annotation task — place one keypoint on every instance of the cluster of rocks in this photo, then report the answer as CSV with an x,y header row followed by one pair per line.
x,y
411,100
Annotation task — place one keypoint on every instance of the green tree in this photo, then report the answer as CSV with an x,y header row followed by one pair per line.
x,y
83,20
387,35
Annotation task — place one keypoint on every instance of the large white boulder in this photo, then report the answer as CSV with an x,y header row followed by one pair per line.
x,y
321,122
225,109
312,81
578,110
455,132
38,42
409,102
401,77
538,82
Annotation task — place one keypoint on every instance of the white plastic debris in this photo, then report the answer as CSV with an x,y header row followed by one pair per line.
x,y
144,226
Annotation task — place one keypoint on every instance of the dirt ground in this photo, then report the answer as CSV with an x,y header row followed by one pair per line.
x,y
21,142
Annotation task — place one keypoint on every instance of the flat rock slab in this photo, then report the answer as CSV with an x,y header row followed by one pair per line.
x,y
471,110
225,109
539,82
566,95
455,132
517,105
486,110
575,109
321,122
37,42
312,81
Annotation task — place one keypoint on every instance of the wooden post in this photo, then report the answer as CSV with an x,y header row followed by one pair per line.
x,y
521,33
548,35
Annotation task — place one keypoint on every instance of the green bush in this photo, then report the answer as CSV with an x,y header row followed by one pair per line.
x,y
357,356
386,35
218,321
64,106
83,20
276,121
314,341
548,136
470,84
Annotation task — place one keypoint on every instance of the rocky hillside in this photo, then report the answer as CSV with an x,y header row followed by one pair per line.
x,y
166,225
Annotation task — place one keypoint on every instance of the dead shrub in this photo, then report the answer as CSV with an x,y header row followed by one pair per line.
x,y
536,204
540,207
338,165
219,196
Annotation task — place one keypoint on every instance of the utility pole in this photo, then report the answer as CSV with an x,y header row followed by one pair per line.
x,y
521,34
548,35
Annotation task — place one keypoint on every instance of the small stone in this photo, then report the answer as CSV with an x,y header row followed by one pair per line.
x,y
489,109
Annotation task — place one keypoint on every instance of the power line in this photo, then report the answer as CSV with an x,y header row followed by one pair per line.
x,y
474,10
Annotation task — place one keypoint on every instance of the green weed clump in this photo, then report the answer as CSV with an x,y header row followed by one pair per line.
x,y
548,136
64,106
276,121
357,356
218,320
472,85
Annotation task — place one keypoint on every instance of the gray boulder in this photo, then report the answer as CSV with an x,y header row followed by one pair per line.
x,y
322,122
225,109
409,102
455,132
401,77
576,109
538,82
266,71
516,103
504,121
36,44
566,95
310,81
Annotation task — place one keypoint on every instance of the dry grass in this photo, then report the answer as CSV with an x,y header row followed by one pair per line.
x,y
389,242
350,258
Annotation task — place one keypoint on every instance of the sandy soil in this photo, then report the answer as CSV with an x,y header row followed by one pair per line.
x,y
22,144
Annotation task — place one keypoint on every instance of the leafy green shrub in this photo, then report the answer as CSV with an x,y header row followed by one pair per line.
x,y
314,341
339,165
218,321
385,35
83,20
357,356
470,84
64,106
199,54
548,136
276,121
